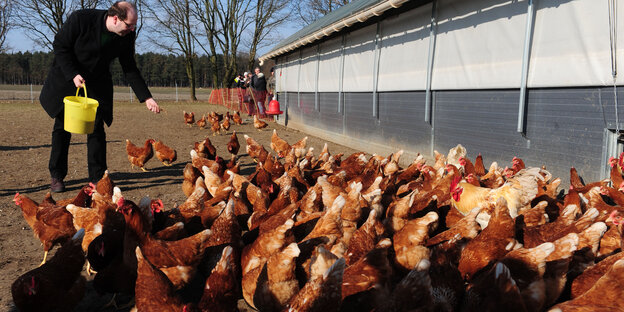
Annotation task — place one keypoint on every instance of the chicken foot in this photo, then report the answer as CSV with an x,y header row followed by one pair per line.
x,y
89,269
45,256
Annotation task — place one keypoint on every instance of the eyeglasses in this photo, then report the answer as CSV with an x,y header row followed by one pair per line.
x,y
130,26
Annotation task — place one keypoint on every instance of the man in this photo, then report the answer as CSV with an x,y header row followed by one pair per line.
x,y
258,84
271,84
83,50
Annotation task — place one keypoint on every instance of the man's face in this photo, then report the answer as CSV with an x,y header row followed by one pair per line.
x,y
257,70
124,27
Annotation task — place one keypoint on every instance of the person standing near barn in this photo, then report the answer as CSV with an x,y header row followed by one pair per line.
x,y
258,85
271,84
83,50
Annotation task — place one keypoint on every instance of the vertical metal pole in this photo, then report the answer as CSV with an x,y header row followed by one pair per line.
x,y
32,98
376,70
317,105
130,93
525,68
341,102
299,78
432,37
341,75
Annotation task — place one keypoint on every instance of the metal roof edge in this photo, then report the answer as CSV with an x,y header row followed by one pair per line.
x,y
361,11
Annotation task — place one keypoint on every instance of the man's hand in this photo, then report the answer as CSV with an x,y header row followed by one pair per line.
x,y
152,105
79,81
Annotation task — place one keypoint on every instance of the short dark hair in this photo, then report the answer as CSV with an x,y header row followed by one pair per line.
x,y
120,9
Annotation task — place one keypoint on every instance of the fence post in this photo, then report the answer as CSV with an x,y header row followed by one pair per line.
x,y
176,88
32,98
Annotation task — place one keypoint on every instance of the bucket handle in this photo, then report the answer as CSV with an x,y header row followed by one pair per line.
x,y
84,87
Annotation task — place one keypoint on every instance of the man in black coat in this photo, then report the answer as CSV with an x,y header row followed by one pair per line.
x,y
83,50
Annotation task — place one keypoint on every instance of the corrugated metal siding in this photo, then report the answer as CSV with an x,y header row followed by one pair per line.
x,y
359,120
306,105
482,121
607,100
330,118
565,128
293,113
402,118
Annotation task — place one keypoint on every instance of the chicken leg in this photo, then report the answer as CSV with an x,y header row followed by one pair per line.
x,y
45,256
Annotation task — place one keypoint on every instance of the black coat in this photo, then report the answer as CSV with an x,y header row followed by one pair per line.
x,y
78,50
258,82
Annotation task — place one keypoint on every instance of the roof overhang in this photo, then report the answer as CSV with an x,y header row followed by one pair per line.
x,y
339,25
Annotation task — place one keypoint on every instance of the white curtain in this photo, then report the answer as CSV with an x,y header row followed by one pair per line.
x,y
359,60
404,50
329,66
291,74
479,44
307,76
571,44
279,74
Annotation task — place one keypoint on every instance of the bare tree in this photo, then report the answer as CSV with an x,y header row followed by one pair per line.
x,y
311,10
84,4
5,25
207,15
41,19
269,14
174,33
224,21
140,4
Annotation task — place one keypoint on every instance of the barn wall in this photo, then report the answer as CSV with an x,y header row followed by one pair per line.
x,y
373,81
565,127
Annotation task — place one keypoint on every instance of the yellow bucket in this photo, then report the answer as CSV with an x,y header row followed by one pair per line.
x,y
80,113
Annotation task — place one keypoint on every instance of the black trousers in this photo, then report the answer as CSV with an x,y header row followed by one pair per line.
x,y
96,150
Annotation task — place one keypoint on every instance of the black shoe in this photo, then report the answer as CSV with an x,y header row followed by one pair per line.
x,y
57,186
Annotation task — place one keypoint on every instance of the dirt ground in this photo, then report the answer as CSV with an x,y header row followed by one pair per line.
x,y
24,151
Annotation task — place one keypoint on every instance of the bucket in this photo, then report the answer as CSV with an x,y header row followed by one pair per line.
x,y
80,113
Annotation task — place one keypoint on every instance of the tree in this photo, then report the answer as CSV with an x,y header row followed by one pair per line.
x,y
311,10
269,14
42,19
5,17
224,22
174,25
84,4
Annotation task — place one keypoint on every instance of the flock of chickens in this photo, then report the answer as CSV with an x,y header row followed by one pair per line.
x,y
218,122
323,232
138,156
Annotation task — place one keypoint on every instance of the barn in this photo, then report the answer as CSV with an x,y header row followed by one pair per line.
x,y
533,79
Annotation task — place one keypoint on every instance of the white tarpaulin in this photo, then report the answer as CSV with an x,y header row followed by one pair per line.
x,y
404,50
291,79
329,66
279,74
479,44
571,44
307,76
359,60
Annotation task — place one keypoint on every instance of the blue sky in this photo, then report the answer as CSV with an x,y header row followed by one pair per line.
x,y
18,41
